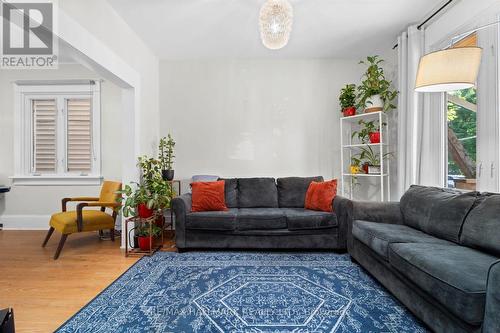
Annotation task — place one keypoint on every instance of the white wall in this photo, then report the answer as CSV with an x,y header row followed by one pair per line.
x,y
246,118
29,206
106,25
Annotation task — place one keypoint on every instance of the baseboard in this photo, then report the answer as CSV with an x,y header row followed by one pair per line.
x,y
25,222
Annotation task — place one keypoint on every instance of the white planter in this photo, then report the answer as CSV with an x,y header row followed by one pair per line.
x,y
374,169
374,104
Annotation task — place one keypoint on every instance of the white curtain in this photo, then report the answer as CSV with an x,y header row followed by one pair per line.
x,y
410,110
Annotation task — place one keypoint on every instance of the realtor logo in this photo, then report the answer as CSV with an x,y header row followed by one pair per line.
x,y
28,35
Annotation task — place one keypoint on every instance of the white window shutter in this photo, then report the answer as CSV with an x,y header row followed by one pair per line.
x,y
44,135
79,135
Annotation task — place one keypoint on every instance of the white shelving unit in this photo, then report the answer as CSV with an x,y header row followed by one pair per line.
x,y
351,146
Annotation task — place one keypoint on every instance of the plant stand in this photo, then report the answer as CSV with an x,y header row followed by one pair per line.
x,y
350,147
137,221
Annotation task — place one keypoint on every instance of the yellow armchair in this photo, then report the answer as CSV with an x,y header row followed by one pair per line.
x,y
81,220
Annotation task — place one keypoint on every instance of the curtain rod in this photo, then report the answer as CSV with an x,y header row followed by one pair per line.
x,y
430,18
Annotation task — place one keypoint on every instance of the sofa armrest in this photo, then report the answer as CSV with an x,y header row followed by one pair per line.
x,y
492,309
181,205
343,210
383,212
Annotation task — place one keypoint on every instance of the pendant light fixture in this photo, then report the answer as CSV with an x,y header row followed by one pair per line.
x,y
275,22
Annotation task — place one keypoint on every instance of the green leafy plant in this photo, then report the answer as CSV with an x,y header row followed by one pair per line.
x,y
150,169
347,96
375,83
152,190
132,196
144,230
372,158
367,127
166,152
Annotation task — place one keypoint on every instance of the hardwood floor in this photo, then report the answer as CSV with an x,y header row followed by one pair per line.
x,y
45,292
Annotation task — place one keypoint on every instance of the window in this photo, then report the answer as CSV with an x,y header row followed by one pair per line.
x,y
462,132
57,133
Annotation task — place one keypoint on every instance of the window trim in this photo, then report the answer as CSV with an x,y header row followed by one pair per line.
x,y
61,90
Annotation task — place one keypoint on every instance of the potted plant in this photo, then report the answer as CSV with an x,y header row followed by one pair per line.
x,y
355,166
136,201
372,164
166,156
159,191
375,93
145,234
347,100
369,132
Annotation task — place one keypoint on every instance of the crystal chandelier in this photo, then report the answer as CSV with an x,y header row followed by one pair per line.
x,y
275,21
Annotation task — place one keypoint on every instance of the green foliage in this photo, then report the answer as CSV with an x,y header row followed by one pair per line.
x,y
347,96
356,160
152,191
133,197
375,83
144,230
464,123
166,152
367,155
150,170
367,127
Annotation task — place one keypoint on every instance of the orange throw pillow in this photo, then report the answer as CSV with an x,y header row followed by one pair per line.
x,y
208,196
320,195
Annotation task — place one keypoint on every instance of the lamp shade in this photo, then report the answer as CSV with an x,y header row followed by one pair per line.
x,y
448,70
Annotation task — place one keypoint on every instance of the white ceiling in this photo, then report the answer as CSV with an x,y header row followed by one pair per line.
x,y
229,28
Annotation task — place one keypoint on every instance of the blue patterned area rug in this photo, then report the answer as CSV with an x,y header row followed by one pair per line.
x,y
244,292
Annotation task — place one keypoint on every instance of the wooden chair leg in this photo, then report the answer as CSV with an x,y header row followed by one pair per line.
x,y
112,234
49,233
60,246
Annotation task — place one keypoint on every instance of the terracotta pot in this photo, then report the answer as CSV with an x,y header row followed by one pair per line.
x,y
375,137
143,211
145,242
350,111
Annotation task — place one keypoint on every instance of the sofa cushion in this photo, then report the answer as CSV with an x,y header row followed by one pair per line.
x,y
378,236
257,192
437,211
454,275
260,219
481,228
231,192
304,219
292,190
222,220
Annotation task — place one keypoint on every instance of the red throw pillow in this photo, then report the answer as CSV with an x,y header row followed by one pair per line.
x,y
208,196
320,195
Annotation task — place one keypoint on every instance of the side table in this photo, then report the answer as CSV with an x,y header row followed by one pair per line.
x,y
138,221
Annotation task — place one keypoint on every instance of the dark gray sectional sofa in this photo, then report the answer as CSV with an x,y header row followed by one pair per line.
x,y
437,251
264,213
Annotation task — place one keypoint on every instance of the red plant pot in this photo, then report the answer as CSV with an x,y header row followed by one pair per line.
x,y
143,211
375,137
365,167
351,111
145,242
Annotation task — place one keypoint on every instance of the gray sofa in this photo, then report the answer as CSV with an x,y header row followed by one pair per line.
x,y
264,213
437,251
